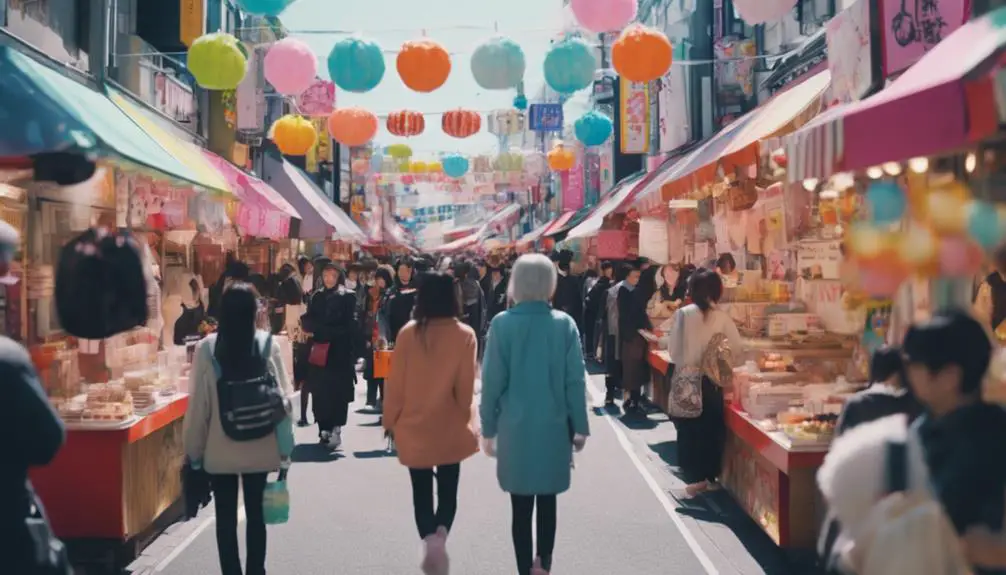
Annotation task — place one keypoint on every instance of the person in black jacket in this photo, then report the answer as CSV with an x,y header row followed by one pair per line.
x,y
593,305
496,295
632,318
399,301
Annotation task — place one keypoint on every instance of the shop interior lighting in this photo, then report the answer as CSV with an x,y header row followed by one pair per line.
x,y
971,162
875,173
892,169
919,165
683,204
828,194
810,184
843,181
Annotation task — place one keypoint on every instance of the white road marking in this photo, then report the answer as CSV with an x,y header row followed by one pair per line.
x,y
700,554
192,537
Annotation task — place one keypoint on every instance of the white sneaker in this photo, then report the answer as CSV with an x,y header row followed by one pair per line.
x,y
336,438
435,559
324,438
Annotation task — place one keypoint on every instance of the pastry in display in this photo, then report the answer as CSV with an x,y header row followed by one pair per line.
x,y
144,397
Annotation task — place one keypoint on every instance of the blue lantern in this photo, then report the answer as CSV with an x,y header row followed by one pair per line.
x,y
454,165
376,162
264,7
520,102
593,128
569,66
498,64
886,202
984,225
356,64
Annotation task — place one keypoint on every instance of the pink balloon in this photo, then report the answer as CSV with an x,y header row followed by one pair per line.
x,y
290,66
958,257
763,11
604,15
880,281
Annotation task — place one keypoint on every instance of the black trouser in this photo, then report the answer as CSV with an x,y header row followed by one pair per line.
x,y
523,507
613,366
428,517
701,439
225,500
589,337
375,390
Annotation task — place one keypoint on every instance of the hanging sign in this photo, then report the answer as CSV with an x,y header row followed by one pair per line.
x,y
191,20
634,105
910,29
545,117
318,100
819,260
849,50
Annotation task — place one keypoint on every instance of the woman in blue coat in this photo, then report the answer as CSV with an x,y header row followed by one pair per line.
x,y
534,405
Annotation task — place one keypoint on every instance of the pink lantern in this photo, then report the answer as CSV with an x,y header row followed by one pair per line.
x,y
601,16
763,11
959,256
290,66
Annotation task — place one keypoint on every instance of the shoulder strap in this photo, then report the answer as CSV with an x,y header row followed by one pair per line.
x,y
896,467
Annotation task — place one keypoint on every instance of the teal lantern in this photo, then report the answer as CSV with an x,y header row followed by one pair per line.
x,y
593,128
520,102
498,64
454,165
569,66
356,64
886,201
264,7
984,225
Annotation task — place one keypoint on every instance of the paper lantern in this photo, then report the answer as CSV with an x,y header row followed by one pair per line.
x,y
509,162
455,165
984,225
406,123
352,126
498,64
569,66
418,167
520,102
561,159
434,167
461,123
945,211
959,257
600,16
641,54
264,7
593,128
294,135
290,66
398,151
881,280
217,62
361,166
886,202
756,12
356,64
505,122
423,65
918,249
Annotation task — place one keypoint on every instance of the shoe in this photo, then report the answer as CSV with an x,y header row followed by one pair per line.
x,y
609,399
695,489
336,438
537,569
435,559
325,438
303,423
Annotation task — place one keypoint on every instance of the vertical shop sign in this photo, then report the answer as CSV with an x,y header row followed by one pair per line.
x,y
673,128
849,53
735,64
250,96
191,21
910,29
634,113
572,185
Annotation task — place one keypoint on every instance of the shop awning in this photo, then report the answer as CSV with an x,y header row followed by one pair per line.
x,y
263,212
320,218
737,146
502,219
941,103
459,245
621,193
646,197
561,228
82,118
536,234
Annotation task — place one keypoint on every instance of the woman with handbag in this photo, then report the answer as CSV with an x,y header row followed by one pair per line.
x,y
696,403
534,406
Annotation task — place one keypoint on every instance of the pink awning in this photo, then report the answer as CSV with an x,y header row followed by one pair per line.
x,y
536,234
263,212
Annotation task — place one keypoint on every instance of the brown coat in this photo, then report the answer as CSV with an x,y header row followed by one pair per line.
x,y
428,394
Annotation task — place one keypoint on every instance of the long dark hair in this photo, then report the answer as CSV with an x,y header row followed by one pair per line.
x,y
437,298
681,285
706,288
236,331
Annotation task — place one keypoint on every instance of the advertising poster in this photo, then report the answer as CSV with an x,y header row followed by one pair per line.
x,y
634,117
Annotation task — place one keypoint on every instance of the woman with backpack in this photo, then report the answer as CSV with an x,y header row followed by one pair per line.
x,y
236,368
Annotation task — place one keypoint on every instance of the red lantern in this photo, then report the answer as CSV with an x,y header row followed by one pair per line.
x,y
406,123
461,123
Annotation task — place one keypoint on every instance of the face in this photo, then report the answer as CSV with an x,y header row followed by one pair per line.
x,y
940,390
483,270
633,278
330,277
404,274
607,272
353,275
308,268
497,275
380,282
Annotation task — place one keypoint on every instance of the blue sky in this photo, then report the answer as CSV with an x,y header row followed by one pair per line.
x,y
460,25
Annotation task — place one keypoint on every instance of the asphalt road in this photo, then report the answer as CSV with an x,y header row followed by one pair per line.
x,y
351,514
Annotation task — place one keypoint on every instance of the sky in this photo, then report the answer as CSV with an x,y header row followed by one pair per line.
x,y
460,26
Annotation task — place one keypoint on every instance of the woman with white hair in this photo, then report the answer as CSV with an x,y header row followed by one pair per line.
x,y
534,406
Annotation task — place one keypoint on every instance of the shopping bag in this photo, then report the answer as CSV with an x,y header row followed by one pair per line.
x,y
382,363
276,502
319,354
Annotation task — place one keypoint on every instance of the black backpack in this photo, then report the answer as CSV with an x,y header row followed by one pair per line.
x,y
250,407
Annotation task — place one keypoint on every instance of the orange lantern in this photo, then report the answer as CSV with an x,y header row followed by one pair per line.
x,y
294,135
423,65
641,54
352,126
461,123
406,123
561,159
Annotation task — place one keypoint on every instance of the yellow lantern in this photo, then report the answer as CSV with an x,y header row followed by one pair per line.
x,y
418,167
561,159
435,167
294,135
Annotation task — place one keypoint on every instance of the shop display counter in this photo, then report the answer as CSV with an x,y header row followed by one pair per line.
x,y
114,485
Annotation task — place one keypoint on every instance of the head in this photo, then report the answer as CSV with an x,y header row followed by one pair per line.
x,y
10,242
483,269
436,298
706,288
643,264
405,269
353,272
726,264
607,270
533,278
305,265
886,366
947,358
632,278
236,328
330,276
590,273
496,273
237,271
681,284
384,276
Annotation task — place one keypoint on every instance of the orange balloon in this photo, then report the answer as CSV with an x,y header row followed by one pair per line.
x,y
423,65
641,54
352,126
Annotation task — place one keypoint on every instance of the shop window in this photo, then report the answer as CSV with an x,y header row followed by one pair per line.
x,y
814,14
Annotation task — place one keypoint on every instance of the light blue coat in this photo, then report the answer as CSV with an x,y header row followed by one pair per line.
x,y
533,397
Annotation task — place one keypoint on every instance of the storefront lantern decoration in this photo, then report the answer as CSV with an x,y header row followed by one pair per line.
x,y
959,256
918,250
423,65
217,61
886,201
505,122
498,64
755,12
352,126
356,64
417,167
945,211
561,158
405,123
569,65
520,102
600,16
264,7
461,123
294,135
593,128
984,225
290,66
398,151
509,162
434,167
455,165
641,54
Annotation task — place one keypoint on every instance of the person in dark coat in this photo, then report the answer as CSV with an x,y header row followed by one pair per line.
x,y
473,300
593,306
397,307
234,270
632,318
376,292
306,268
332,320
496,296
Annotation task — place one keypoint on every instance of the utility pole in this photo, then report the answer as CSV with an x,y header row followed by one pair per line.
x,y
100,38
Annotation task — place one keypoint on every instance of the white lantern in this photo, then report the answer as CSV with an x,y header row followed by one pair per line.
x,y
506,122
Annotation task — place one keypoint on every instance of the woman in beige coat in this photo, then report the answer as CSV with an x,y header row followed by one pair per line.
x,y
428,409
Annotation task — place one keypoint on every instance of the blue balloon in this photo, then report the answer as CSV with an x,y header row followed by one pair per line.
x,y
886,201
454,165
569,66
356,64
520,102
263,7
593,128
984,225
498,64
376,161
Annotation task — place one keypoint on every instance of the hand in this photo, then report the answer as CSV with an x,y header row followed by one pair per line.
x,y
489,446
579,441
983,548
